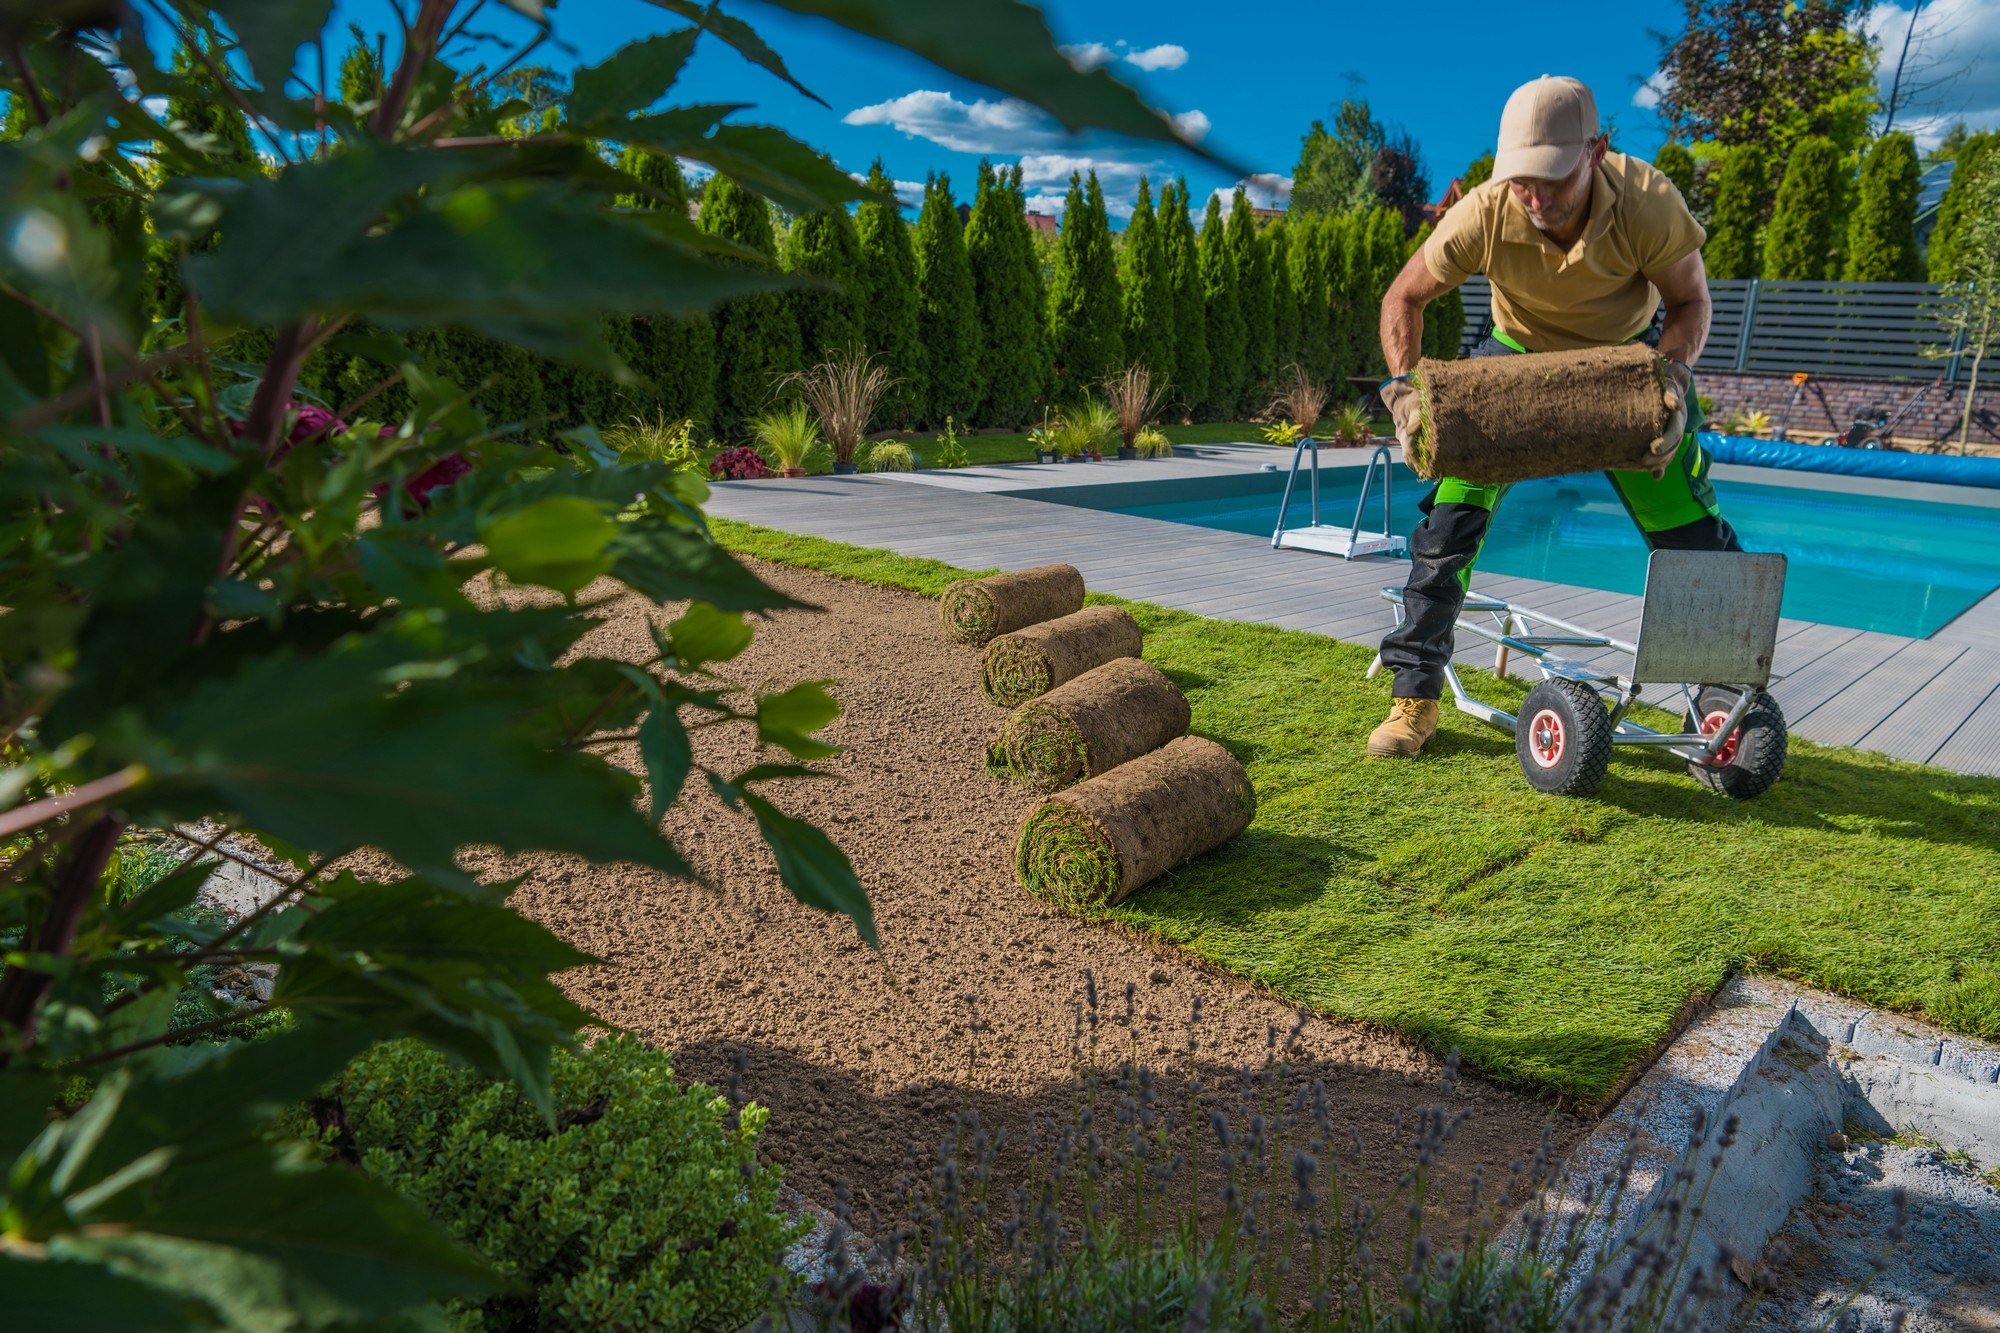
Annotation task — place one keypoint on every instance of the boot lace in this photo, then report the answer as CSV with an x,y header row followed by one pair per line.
x,y
1410,709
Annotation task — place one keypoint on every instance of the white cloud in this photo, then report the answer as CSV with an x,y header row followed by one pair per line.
x,y
1087,56
1265,190
1045,203
1164,56
1649,93
1008,125
1193,125
1119,180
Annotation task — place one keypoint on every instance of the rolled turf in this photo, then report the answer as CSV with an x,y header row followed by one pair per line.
x,y
1030,662
1090,846
1515,418
974,610
1106,717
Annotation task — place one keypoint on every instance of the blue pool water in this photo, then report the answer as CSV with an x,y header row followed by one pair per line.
x,y
1869,562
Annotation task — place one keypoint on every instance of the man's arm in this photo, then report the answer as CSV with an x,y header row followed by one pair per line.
x,y
1403,313
1684,289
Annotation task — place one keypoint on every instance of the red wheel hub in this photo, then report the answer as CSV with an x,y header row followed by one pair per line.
x,y
1546,738
1711,724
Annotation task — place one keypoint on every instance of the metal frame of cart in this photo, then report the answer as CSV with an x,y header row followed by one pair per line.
x,y
1708,617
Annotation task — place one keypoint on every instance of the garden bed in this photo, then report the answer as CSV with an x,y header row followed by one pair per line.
x,y
858,1055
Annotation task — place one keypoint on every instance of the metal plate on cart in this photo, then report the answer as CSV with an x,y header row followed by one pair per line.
x,y
1710,617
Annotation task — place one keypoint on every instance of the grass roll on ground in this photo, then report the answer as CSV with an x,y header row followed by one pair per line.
x,y
1544,414
1030,662
974,610
1105,717
1092,845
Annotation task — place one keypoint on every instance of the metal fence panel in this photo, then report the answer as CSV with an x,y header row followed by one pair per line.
x,y
1874,330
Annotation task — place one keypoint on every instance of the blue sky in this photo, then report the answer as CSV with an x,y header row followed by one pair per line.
x,y
1248,78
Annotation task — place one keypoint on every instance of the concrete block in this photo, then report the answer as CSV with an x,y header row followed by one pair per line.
x,y
1897,1039
1975,1060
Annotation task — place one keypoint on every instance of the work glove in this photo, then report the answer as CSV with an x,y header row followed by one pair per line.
x,y
1681,380
1400,397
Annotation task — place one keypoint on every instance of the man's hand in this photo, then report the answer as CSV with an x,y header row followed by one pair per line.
x,y
1400,398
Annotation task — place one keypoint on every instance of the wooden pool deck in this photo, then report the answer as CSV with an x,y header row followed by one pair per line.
x,y
1934,700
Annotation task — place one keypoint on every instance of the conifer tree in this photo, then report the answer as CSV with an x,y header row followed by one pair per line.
x,y
947,316
1190,297
1007,289
825,246
756,337
1336,240
1677,165
1226,335
1247,251
1085,308
1388,247
676,355
360,70
1976,154
1736,189
1882,233
1284,298
889,299
1799,242
1309,297
1149,293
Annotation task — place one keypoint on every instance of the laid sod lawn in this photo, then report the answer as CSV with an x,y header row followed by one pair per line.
x,y
1553,941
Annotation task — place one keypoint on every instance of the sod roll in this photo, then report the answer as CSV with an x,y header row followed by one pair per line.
x,y
1030,662
1495,419
1088,847
1105,717
974,610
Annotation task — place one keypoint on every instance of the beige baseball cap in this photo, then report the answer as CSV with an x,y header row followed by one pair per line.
x,y
1545,129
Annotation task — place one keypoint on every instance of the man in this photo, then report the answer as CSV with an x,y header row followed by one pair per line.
x,y
1581,245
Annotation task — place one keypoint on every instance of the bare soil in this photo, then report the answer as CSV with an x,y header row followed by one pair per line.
x,y
859,1055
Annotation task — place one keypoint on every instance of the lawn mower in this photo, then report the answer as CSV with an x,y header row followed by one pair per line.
x,y
1708,617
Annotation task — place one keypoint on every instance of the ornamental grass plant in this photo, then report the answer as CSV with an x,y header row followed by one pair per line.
x,y
787,437
844,393
1135,396
1301,397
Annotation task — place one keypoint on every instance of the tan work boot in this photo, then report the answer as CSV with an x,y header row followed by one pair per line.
x,y
1411,723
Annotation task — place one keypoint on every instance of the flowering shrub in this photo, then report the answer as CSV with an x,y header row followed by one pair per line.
x,y
741,463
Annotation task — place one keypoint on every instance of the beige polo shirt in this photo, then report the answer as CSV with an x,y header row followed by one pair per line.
x,y
1597,293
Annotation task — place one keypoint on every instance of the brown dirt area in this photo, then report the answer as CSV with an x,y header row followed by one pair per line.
x,y
858,1055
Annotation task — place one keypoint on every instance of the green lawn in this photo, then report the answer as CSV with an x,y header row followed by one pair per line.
x,y
1553,941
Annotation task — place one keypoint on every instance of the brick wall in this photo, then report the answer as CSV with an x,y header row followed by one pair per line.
x,y
1828,407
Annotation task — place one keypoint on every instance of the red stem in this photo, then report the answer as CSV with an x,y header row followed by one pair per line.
x,y
21,990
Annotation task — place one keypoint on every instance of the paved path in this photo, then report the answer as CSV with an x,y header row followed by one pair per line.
x,y
1934,700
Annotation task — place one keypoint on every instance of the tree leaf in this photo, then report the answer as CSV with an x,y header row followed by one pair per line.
x,y
668,562
703,634
788,720
84,1297
668,755
632,79
817,872
1005,45
739,35
271,34
770,162
315,751
561,543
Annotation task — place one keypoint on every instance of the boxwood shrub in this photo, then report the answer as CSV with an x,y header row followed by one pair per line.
x,y
644,1208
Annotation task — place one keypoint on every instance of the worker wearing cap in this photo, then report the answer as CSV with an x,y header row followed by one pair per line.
x,y
1581,246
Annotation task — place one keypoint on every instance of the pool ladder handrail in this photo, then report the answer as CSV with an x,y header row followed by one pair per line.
x,y
1345,542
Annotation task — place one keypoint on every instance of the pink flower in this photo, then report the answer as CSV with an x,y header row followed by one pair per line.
x,y
418,487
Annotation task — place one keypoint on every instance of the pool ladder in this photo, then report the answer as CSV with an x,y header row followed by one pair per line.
x,y
1345,542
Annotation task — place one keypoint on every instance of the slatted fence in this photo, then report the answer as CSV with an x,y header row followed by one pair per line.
x,y
1873,330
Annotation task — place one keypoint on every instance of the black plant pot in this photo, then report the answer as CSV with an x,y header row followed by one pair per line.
x,y
845,469
1127,451
1047,456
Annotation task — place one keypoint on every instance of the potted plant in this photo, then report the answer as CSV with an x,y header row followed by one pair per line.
x,y
787,436
1097,426
1152,443
843,392
1134,398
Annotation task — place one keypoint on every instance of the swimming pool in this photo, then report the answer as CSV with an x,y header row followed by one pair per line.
x,y
1872,562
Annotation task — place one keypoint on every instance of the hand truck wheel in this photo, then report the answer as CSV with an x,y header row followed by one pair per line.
x,y
1751,760
1563,738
